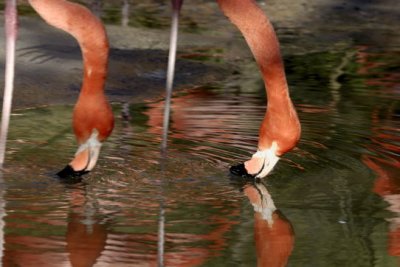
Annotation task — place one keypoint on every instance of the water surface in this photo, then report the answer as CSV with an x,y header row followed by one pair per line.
x,y
332,201
337,189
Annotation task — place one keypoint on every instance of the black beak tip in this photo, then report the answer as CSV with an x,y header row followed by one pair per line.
x,y
240,170
68,173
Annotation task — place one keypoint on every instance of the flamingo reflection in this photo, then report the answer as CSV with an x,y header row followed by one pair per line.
x,y
387,185
202,105
85,238
96,227
273,233
384,140
386,167
86,233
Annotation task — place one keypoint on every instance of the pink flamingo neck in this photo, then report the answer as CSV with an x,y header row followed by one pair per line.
x,y
262,40
280,124
70,17
93,118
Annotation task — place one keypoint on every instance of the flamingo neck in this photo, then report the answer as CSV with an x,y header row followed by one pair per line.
x,y
70,17
94,73
280,124
263,43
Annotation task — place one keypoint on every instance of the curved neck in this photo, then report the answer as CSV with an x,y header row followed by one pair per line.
x,y
281,124
87,30
262,40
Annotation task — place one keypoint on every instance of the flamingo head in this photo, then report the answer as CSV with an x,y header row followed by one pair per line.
x,y
85,158
260,165
93,122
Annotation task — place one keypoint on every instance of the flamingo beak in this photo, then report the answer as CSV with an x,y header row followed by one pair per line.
x,y
85,158
260,165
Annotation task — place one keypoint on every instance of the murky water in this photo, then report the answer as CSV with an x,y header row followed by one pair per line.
x,y
336,194
333,201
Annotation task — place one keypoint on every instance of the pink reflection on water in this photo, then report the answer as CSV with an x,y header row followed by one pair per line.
x,y
210,121
80,232
195,115
81,246
372,66
384,158
273,233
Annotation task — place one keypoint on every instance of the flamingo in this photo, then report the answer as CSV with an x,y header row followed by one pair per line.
x,y
280,130
92,117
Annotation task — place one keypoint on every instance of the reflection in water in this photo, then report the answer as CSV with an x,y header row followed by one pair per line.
x,y
193,121
273,233
384,149
206,222
85,236
2,215
166,118
387,185
161,235
57,223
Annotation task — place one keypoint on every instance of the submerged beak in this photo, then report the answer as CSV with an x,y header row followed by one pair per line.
x,y
85,159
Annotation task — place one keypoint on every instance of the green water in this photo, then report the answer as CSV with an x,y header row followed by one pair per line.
x,y
336,193
326,187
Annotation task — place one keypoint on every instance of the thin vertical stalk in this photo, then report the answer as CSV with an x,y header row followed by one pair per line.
x,y
170,76
176,5
11,36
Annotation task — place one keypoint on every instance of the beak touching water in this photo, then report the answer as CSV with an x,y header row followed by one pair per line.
x,y
260,165
85,158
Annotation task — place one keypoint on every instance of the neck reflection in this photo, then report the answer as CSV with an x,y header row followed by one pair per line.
x,y
86,234
273,233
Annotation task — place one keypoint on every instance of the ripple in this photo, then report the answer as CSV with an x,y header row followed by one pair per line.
x,y
348,150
